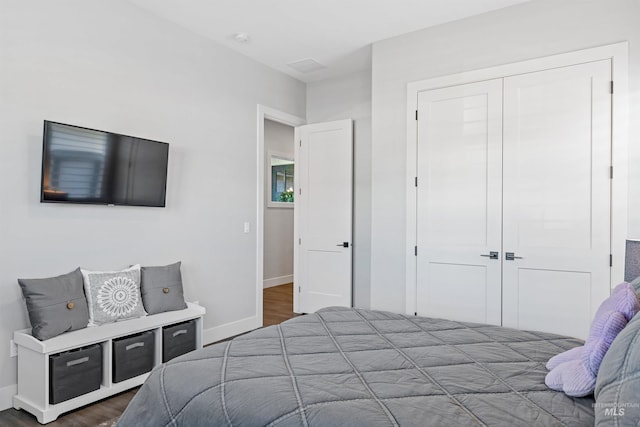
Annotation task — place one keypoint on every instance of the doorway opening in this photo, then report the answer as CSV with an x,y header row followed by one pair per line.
x,y
276,204
278,222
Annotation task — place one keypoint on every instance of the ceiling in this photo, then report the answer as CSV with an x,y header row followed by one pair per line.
x,y
335,33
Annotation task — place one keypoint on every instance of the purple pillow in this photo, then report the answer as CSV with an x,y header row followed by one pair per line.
x,y
578,377
604,329
574,371
624,300
572,378
566,356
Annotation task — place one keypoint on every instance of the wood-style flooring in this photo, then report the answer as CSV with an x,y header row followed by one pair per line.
x,y
278,307
88,416
277,304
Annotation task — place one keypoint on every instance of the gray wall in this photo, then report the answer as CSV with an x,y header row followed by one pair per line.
x,y
349,97
278,222
110,65
530,30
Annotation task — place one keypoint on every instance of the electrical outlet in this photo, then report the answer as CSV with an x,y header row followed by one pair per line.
x,y
247,227
13,349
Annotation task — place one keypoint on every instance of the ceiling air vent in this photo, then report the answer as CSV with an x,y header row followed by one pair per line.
x,y
306,65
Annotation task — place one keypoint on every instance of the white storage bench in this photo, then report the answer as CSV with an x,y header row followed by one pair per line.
x,y
33,359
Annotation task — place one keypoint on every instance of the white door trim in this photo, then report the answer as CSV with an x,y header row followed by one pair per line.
x,y
290,120
619,55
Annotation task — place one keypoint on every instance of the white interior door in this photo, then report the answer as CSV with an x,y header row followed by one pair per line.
x,y
459,202
323,215
557,158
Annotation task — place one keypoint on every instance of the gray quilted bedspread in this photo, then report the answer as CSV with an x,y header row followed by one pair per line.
x,y
348,367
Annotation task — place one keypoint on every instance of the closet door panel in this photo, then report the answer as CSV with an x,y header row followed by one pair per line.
x,y
556,197
459,202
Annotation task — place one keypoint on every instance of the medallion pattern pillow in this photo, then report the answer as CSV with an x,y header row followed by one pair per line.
x,y
113,295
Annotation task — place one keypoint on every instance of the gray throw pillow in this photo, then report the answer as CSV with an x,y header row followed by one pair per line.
x,y
636,285
632,260
56,304
618,382
162,288
113,295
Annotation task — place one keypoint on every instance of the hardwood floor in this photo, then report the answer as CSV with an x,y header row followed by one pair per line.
x,y
278,307
277,304
88,416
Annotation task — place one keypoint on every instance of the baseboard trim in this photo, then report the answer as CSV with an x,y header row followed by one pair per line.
x,y
277,281
227,330
6,396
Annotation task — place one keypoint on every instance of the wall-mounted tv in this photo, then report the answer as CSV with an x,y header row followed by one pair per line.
x,y
81,165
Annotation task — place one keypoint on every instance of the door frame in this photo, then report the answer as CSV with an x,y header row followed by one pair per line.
x,y
618,53
269,113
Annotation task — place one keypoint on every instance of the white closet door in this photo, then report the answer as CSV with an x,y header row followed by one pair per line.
x,y
557,157
459,202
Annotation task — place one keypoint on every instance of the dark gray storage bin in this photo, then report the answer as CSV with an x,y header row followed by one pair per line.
x,y
133,355
178,339
74,373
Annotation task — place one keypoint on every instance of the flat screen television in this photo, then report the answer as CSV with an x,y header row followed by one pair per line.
x,y
81,165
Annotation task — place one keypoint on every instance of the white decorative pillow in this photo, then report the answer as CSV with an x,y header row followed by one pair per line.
x,y
113,295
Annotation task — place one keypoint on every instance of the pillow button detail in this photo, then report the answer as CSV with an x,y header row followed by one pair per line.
x,y
70,305
165,290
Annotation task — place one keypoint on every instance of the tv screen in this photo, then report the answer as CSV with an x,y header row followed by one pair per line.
x,y
81,165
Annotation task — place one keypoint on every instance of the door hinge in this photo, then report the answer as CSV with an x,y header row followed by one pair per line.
x,y
299,241
416,181
610,260
299,289
300,191
610,172
415,251
416,114
300,143
612,86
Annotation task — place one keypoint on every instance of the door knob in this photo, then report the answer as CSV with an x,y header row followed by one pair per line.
x,y
510,256
492,255
343,244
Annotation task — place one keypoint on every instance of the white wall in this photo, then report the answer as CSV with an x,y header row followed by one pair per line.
x,y
349,97
530,30
278,221
109,65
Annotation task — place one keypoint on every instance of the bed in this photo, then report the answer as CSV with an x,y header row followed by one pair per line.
x,y
343,366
